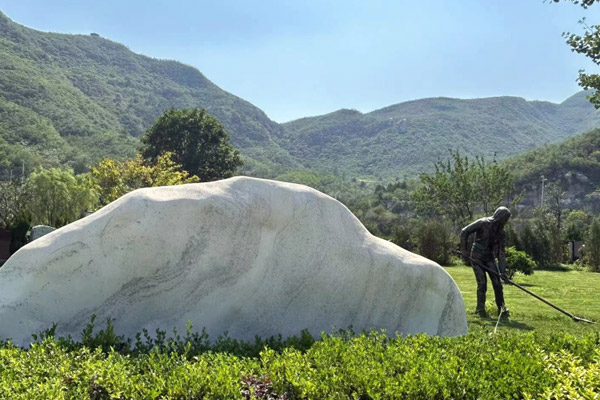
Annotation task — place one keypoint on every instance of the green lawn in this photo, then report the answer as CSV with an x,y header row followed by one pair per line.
x,y
577,292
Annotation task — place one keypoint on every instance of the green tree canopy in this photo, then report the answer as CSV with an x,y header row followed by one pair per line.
x,y
197,140
587,44
592,245
112,179
459,187
58,197
13,201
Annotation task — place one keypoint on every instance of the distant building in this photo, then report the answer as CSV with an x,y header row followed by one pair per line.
x,y
575,249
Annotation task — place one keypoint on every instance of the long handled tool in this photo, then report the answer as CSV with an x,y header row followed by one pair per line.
x,y
507,280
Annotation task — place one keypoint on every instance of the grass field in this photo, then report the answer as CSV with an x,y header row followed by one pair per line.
x,y
577,292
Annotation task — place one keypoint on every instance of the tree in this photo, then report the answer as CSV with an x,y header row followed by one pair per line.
x,y
577,222
198,141
541,240
112,179
435,241
57,197
536,243
450,190
588,45
592,246
494,183
13,198
458,188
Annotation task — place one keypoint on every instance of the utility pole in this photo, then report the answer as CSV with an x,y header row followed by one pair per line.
x,y
23,172
543,181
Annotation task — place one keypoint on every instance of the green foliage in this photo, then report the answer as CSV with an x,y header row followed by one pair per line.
x,y
18,231
408,138
102,97
518,261
541,238
589,46
72,100
322,181
196,139
577,223
573,165
513,363
459,188
592,246
436,241
57,197
112,178
340,366
13,200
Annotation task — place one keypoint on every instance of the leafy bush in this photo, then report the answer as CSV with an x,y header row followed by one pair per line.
x,y
341,366
592,248
536,242
518,261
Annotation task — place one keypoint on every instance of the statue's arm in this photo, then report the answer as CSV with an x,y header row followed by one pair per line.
x,y
464,235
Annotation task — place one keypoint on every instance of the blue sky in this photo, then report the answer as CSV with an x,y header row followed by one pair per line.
x,y
300,58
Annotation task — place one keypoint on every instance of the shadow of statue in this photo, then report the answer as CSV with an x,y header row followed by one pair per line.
x,y
513,324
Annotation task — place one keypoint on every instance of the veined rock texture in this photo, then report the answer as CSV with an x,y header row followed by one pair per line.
x,y
243,255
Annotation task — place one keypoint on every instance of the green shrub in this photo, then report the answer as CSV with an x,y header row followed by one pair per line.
x,y
518,261
340,366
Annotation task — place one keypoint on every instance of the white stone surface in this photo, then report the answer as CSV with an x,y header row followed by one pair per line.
x,y
243,255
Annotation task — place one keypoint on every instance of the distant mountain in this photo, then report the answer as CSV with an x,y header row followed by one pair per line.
x,y
71,99
407,138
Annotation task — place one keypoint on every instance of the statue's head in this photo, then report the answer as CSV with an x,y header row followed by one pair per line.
x,y
501,215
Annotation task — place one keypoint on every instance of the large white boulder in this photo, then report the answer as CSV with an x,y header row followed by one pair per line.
x,y
243,255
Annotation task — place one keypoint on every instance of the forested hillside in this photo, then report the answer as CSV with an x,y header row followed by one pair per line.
x,y
70,99
407,138
573,166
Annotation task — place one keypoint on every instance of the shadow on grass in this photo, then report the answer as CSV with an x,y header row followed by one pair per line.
x,y
491,323
515,325
555,268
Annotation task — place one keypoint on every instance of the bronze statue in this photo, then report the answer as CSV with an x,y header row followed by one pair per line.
x,y
487,247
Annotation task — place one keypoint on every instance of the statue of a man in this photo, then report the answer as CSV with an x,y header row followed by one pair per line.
x,y
487,247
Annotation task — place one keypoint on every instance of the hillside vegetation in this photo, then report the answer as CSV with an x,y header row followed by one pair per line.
x,y
407,138
70,99
73,99
573,165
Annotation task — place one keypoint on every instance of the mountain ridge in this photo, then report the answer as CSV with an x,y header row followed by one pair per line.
x,y
410,136
117,90
72,99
